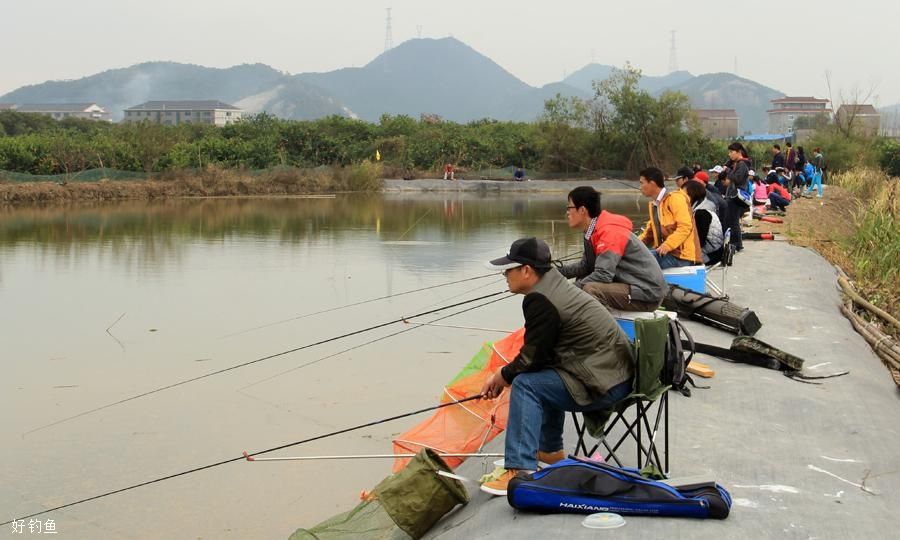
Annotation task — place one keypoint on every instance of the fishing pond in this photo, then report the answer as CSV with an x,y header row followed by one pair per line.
x,y
105,307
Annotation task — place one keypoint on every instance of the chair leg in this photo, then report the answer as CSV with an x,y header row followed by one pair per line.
x,y
580,429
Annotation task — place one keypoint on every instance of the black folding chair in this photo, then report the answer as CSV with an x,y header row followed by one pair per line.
x,y
642,412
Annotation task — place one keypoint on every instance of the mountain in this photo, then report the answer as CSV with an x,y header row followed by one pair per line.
x,y
890,118
728,91
295,100
118,89
584,78
436,76
420,76
656,84
709,91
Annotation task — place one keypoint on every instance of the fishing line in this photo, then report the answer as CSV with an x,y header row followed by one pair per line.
x,y
244,456
417,325
345,306
269,357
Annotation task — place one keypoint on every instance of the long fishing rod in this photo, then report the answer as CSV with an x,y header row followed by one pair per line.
x,y
244,456
354,304
251,362
361,345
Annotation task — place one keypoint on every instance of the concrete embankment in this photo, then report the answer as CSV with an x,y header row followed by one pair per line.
x,y
508,186
800,460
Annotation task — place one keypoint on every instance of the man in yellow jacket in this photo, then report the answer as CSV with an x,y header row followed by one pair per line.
x,y
671,233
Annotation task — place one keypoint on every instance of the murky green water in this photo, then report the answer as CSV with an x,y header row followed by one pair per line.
x,y
101,303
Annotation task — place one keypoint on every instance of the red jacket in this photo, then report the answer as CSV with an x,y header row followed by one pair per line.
x,y
777,188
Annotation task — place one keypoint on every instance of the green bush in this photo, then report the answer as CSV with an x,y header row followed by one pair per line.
x,y
889,157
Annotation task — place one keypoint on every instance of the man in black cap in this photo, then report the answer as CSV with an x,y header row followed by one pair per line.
x,y
683,175
574,358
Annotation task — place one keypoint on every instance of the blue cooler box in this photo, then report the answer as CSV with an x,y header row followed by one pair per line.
x,y
689,277
626,318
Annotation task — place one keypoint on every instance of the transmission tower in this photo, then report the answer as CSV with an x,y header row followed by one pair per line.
x,y
673,56
388,35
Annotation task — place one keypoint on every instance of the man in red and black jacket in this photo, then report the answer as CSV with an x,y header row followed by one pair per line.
x,y
616,267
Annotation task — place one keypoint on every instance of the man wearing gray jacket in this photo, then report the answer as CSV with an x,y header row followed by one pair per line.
x,y
616,267
575,357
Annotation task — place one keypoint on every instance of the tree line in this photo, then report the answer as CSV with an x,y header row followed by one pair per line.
x,y
622,128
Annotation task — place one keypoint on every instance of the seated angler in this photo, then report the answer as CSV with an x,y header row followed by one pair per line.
x,y
575,357
615,268
670,233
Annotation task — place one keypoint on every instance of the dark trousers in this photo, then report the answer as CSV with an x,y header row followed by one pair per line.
x,y
736,209
778,201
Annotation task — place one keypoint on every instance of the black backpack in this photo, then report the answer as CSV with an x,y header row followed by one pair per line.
x,y
679,352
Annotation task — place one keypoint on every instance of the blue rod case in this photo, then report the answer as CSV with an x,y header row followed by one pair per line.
x,y
580,486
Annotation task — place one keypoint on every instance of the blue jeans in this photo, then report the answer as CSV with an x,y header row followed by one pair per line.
x,y
816,183
670,261
537,406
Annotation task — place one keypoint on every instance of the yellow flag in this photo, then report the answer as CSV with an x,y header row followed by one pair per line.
x,y
377,155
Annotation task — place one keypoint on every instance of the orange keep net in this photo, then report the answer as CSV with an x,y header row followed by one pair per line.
x,y
467,427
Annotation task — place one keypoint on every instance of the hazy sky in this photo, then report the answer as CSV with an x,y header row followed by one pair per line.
x,y
787,45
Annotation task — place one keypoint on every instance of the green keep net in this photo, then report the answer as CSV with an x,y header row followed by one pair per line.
x,y
402,506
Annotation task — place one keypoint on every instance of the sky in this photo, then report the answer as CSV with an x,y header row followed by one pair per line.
x,y
537,41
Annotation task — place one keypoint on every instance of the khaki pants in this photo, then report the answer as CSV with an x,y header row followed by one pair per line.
x,y
617,296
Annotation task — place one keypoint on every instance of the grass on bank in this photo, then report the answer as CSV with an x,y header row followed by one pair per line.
x,y
211,181
873,246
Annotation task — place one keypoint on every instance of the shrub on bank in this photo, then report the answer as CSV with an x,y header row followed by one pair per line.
x,y
874,247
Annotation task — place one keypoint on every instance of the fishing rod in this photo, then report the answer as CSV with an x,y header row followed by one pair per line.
x,y
264,358
248,457
244,456
354,304
361,345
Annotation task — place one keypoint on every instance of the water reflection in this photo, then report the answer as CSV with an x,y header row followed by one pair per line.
x,y
145,233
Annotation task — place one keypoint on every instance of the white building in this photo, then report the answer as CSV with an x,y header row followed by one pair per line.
x,y
59,111
184,112
785,111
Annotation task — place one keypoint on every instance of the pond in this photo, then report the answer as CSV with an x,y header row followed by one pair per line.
x,y
99,304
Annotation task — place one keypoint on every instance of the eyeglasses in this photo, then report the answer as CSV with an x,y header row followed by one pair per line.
x,y
571,208
508,270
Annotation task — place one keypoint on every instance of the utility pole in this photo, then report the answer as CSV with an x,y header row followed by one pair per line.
x,y
673,56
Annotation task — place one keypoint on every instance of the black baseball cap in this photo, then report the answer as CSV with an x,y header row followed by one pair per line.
x,y
685,172
530,251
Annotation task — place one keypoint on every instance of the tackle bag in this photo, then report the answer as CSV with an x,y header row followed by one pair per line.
x,y
716,312
580,486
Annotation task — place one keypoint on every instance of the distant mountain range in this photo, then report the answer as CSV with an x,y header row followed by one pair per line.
x,y
421,76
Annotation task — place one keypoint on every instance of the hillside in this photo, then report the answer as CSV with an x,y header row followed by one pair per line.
x,y
436,76
118,89
420,76
728,91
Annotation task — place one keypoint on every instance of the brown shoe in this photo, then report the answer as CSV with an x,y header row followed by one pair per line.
x,y
551,457
498,487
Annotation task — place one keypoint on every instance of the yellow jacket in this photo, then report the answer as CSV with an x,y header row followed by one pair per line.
x,y
679,232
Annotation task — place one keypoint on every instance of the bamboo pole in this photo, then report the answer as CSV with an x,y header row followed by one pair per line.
x,y
851,292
